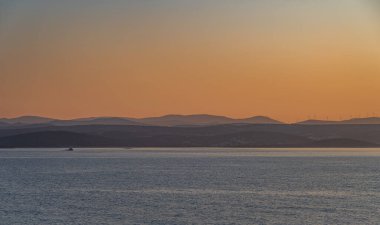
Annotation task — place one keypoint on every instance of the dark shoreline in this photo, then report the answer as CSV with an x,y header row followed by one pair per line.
x,y
221,136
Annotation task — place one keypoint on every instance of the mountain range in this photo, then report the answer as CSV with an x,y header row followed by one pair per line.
x,y
226,135
186,131
368,120
168,120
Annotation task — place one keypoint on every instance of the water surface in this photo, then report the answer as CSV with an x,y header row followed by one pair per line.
x,y
190,186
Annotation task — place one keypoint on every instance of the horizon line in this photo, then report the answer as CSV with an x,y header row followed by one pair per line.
x,y
311,118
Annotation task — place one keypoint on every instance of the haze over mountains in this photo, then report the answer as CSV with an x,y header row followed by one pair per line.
x,y
23,120
169,120
186,131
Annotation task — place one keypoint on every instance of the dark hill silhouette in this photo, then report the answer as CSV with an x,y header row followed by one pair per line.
x,y
367,133
244,139
206,136
317,122
369,120
259,120
363,121
56,139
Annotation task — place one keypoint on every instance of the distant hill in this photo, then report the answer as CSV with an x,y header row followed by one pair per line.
x,y
317,122
203,120
181,120
95,121
26,120
259,120
370,120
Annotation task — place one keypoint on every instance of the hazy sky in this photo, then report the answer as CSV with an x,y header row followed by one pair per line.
x,y
288,59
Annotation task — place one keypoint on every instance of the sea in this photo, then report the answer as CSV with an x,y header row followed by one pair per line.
x,y
190,186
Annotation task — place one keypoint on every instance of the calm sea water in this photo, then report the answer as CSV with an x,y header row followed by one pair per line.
x,y
190,186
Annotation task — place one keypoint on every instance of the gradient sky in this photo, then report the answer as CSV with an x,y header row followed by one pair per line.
x,y
288,59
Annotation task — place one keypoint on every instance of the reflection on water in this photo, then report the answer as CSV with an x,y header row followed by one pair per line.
x,y
192,185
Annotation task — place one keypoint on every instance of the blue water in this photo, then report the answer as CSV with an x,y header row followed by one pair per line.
x,y
190,186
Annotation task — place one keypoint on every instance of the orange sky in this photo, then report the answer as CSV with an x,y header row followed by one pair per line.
x,y
290,60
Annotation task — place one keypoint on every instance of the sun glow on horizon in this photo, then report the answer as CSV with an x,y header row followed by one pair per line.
x,y
290,60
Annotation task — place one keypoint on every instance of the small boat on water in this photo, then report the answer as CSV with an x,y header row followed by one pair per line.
x,y
70,149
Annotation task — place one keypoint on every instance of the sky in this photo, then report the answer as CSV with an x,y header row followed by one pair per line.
x,y
288,59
